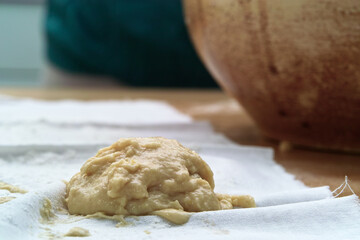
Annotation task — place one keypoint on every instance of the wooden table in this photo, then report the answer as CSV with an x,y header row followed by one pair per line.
x,y
314,168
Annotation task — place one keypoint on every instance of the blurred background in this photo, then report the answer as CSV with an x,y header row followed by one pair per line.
x,y
21,42
62,43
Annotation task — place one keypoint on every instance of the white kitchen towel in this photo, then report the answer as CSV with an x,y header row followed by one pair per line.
x,y
127,112
49,144
45,133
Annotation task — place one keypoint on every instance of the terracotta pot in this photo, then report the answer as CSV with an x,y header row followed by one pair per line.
x,y
293,65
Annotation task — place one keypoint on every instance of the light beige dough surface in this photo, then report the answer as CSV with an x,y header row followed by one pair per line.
x,y
140,176
77,232
6,199
11,188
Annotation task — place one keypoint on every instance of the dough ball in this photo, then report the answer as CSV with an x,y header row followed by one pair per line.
x,y
136,176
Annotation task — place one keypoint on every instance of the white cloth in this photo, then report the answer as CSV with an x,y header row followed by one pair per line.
x,y
131,113
40,148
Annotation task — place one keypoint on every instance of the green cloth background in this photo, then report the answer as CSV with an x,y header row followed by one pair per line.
x,y
139,42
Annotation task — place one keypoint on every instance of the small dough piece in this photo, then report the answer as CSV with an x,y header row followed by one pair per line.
x,y
230,201
174,216
46,212
6,199
138,176
11,188
77,232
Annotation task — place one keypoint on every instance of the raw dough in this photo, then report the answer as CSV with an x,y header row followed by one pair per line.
x,y
46,211
139,176
77,232
173,215
6,199
11,188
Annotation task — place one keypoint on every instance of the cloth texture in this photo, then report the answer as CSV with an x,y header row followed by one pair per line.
x,y
44,143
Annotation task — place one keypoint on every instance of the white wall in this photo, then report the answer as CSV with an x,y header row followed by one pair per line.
x,y
21,44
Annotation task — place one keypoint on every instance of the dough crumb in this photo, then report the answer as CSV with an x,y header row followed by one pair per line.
x,y
77,232
46,212
147,232
144,176
231,201
6,199
173,215
12,188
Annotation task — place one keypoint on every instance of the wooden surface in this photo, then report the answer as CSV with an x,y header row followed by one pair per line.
x,y
314,168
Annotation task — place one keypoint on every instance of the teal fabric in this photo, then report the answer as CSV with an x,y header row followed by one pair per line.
x,y
139,42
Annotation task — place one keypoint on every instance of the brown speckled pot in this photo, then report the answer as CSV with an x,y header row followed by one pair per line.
x,y
293,64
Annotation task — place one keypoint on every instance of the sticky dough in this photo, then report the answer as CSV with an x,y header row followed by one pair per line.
x,y
140,176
